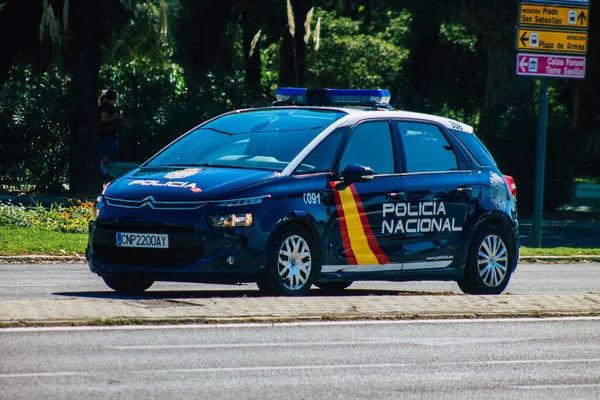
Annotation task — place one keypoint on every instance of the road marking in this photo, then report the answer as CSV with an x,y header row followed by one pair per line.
x,y
42,374
353,366
559,386
434,342
292,324
316,367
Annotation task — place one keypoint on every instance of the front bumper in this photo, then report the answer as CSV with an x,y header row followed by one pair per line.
x,y
223,256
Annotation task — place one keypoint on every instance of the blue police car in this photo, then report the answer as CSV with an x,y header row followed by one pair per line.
x,y
324,187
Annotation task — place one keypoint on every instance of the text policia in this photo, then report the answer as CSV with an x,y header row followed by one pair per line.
x,y
430,217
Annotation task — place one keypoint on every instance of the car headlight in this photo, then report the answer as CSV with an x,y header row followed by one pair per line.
x,y
99,206
230,220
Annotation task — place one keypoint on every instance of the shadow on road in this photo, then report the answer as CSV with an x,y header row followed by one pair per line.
x,y
209,294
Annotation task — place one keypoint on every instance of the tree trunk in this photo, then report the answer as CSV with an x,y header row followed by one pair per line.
x,y
344,8
504,90
250,27
493,21
292,70
422,68
200,33
85,174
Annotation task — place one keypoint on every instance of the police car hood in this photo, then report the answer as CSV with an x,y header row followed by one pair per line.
x,y
184,184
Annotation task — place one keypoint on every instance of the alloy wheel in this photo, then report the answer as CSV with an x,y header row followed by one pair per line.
x,y
294,262
492,260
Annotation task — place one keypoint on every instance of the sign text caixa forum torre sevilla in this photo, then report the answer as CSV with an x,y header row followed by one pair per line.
x,y
557,28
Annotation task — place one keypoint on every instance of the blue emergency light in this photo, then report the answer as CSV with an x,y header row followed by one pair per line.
x,y
352,97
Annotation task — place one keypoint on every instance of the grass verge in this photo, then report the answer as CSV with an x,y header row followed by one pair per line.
x,y
560,251
22,241
16,241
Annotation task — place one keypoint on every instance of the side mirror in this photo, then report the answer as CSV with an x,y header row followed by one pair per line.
x,y
357,173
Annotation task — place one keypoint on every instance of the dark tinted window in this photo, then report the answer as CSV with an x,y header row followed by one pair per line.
x,y
319,160
476,148
265,139
426,148
370,145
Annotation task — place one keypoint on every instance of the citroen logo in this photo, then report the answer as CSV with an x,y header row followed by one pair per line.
x,y
148,201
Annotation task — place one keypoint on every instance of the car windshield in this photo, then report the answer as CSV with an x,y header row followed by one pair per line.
x,y
258,139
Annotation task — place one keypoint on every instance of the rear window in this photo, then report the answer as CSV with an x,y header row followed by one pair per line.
x,y
476,148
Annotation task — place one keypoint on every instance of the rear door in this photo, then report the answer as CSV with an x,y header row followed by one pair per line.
x,y
440,193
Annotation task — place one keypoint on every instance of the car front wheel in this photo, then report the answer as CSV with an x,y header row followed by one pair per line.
x,y
293,263
489,262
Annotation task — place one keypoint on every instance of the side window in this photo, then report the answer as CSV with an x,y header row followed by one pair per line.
x,y
319,160
426,148
370,145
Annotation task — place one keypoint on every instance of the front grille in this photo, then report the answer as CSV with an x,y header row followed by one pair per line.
x,y
185,246
149,201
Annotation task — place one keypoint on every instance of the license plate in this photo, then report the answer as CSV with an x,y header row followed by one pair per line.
x,y
147,240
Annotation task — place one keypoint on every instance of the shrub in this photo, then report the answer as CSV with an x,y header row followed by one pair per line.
x,y
72,218
34,128
34,118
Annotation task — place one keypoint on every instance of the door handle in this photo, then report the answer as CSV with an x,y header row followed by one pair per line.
x,y
399,195
464,190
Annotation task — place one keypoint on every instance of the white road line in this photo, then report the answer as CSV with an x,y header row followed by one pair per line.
x,y
353,366
313,367
433,342
42,374
290,324
560,386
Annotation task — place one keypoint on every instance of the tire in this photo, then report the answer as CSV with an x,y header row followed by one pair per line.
x,y
333,287
293,263
127,285
489,263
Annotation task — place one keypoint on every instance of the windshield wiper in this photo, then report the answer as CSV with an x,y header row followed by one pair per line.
x,y
184,165
223,166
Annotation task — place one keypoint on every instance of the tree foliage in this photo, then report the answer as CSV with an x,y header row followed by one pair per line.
x,y
175,63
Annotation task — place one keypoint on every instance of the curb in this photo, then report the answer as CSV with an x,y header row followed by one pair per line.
x,y
115,322
216,310
42,259
78,258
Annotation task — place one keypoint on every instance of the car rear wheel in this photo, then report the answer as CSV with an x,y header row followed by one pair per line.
x,y
293,263
126,284
333,287
489,263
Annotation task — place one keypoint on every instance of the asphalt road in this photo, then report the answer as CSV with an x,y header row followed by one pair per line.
x,y
422,360
52,281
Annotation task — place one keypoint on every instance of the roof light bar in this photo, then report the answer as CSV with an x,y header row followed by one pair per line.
x,y
367,97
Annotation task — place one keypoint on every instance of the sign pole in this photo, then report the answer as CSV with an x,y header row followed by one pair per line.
x,y
540,165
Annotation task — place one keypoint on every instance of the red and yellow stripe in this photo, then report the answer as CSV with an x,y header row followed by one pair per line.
x,y
359,243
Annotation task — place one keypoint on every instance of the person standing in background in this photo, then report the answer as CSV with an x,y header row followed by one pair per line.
x,y
109,124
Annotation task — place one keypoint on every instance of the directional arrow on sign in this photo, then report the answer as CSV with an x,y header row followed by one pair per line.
x,y
582,18
524,38
523,64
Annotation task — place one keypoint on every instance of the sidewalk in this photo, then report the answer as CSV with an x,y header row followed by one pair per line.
x,y
280,309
